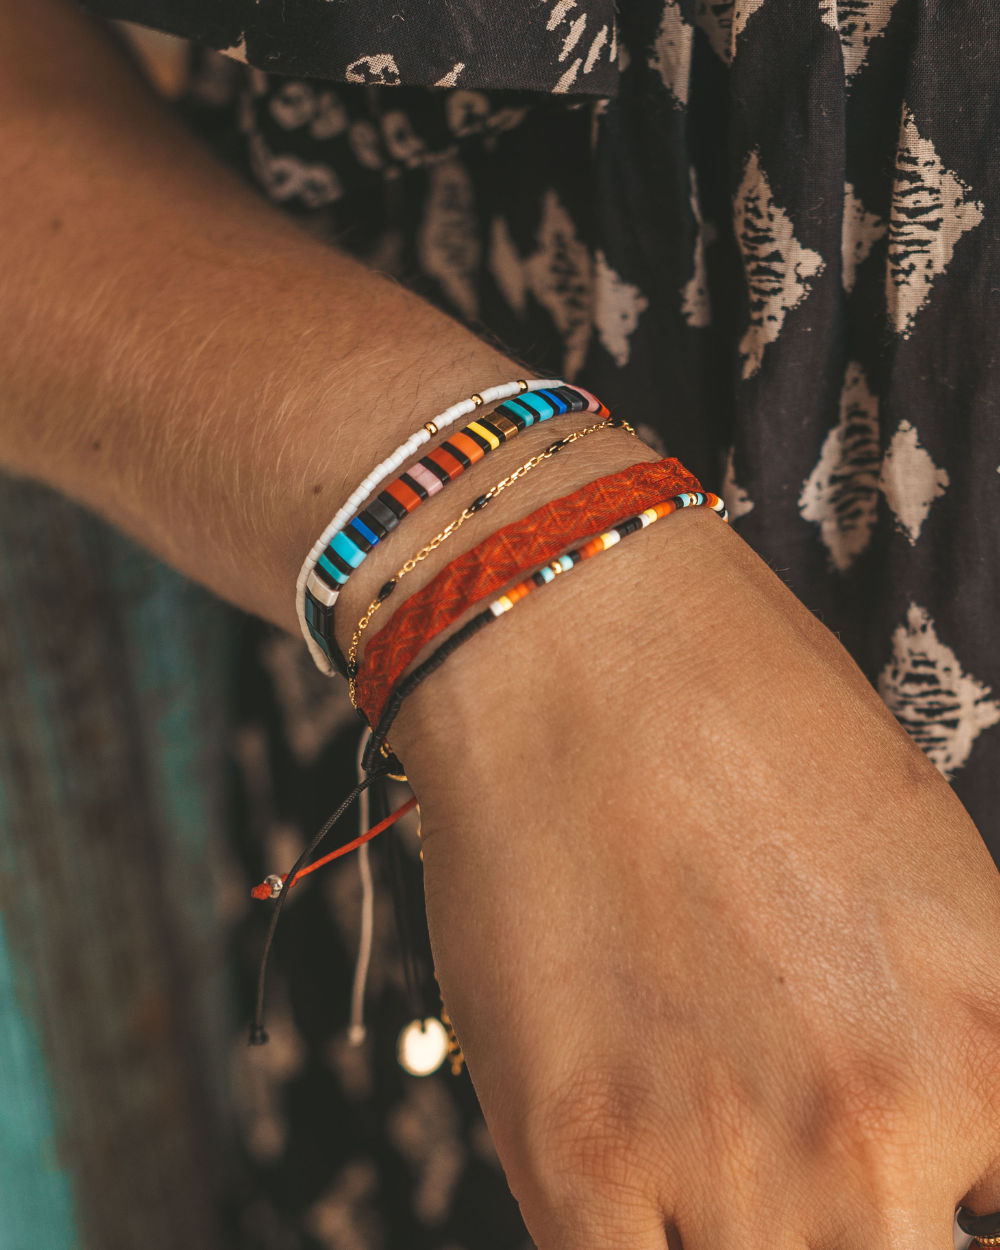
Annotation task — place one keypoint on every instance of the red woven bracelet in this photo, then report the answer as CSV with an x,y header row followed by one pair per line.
x,y
509,552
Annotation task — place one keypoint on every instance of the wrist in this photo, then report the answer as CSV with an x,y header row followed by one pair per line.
x,y
558,678
527,479
677,657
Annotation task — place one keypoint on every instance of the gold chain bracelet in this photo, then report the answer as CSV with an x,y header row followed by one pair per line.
x,y
477,505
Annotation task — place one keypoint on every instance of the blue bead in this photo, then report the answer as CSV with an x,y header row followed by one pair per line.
x,y
332,570
542,407
365,532
348,551
519,408
560,405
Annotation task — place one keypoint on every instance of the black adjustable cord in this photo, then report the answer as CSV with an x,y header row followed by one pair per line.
x,y
258,1034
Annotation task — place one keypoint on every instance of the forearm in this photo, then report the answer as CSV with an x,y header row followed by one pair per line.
x,y
173,352
177,355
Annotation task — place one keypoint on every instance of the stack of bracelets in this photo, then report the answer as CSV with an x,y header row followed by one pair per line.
x,y
531,553
488,580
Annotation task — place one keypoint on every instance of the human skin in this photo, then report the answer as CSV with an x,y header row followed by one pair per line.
x,y
720,944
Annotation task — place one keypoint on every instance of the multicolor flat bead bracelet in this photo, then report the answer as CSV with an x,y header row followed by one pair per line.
x,y
543,577
348,547
477,505
403,452
484,570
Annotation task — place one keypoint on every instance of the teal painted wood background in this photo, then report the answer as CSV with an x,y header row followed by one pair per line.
x,y
114,1011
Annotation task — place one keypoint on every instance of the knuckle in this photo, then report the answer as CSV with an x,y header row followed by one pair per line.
x,y
589,1141
870,1108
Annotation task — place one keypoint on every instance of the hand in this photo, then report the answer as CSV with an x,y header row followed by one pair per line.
x,y
720,945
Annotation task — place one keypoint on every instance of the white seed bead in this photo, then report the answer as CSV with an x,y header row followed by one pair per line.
x,y
378,475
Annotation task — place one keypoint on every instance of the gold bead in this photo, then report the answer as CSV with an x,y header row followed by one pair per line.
x,y
504,424
522,386
430,427
477,400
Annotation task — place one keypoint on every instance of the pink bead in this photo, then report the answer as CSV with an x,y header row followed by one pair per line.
x,y
593,403
426,478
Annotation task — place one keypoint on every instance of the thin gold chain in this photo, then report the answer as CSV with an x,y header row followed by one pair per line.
x,y
476,506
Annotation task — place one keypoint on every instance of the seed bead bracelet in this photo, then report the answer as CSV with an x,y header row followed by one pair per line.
x,y
543,577
477,505
485,569
378,475
341,549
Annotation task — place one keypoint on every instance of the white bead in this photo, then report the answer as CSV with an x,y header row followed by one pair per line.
x,y
379,474
319,590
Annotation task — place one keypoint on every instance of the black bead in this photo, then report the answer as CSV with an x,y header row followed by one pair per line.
x,y
326,579
575,400
478,438
373,523
415,486
478,504
394,506
512,415
380,513
520,412
359,540
386,590
338,563
459,455
436,469
488,425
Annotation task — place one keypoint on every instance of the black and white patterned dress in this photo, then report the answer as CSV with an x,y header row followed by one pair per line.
x,y
768,232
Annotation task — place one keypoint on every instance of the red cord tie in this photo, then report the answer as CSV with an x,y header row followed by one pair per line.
x,y
272,886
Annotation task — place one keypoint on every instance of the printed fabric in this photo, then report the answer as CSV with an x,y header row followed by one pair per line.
x,y
519,43
768,234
